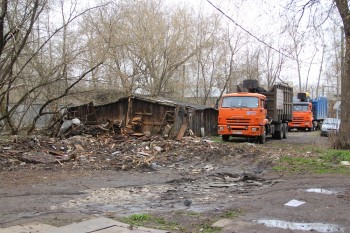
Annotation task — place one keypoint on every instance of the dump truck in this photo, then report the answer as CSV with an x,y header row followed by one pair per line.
x,y
308,114
303,118
255,113
320,110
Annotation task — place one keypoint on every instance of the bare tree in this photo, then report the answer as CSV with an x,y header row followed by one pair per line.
x,y
150,45
333,67
232,43
309,69
298,40
207,59
251,68
273,65
26,62
15,31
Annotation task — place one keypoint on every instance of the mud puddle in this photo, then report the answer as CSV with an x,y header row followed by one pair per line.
x,y
195,194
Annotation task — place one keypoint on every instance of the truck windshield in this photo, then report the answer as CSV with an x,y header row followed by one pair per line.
x,y
240,102
300,108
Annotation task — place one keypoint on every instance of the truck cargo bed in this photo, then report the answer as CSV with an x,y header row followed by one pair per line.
x,y
320,108
280,103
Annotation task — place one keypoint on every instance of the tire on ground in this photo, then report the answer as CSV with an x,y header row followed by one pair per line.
x,y
285,129
225,138
278,134
262,138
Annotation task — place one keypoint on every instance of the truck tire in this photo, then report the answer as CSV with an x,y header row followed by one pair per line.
x,y
285,129
262,138
225,138
278,134
310,129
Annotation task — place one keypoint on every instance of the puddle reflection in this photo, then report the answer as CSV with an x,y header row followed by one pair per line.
x,y
319,190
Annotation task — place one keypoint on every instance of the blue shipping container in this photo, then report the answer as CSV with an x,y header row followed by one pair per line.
x,y
320,108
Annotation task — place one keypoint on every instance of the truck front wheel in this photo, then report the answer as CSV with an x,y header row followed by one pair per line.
x,y
262,138
225,138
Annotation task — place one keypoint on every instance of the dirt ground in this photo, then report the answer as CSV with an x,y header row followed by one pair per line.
x,y
191,182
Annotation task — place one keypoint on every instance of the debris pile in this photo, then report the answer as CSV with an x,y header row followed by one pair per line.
x,y
103,147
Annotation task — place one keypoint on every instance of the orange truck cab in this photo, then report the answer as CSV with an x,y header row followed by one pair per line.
x,y
303,118
253,112
242,115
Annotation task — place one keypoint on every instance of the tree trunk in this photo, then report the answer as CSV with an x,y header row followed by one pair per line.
x,y
320,72
343,140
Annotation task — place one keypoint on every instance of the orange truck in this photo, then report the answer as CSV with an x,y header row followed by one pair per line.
x,y
255,113
303,118
308,114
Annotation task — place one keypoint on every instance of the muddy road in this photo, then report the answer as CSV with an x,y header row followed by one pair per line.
x,y
190,182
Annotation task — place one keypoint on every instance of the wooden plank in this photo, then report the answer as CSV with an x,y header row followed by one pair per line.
x,y
152,123
181,131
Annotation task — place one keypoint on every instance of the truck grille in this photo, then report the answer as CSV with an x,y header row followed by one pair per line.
x,y
237,121
298,120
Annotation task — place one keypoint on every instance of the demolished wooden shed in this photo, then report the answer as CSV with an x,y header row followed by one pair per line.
x,y
151,115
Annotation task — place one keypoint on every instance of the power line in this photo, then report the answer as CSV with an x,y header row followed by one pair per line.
x,y
252,35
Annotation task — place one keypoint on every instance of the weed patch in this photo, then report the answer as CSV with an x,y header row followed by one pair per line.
x,y
181,221
325,162
231,214
147,220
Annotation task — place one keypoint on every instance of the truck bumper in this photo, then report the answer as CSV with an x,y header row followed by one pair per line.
x,y
246,131
297,125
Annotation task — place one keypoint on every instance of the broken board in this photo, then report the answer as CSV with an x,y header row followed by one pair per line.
x,y
181,131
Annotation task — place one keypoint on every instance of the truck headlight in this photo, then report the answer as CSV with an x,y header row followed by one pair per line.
x,y
221,128
254,129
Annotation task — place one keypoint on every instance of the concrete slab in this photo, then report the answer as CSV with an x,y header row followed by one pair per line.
x,y
28,228
98,225
223,223
103,225
235,225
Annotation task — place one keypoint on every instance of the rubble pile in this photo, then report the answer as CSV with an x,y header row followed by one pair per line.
x,y
106,149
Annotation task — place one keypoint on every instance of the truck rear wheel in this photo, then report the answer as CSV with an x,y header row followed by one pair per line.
x,y
278,134
285,129
225,138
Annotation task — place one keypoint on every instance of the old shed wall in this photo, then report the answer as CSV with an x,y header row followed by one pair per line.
x,y
115,111
154,115
203,118
86,113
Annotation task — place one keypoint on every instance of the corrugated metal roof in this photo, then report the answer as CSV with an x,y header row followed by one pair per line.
x,y
168,101
163,101
158,100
